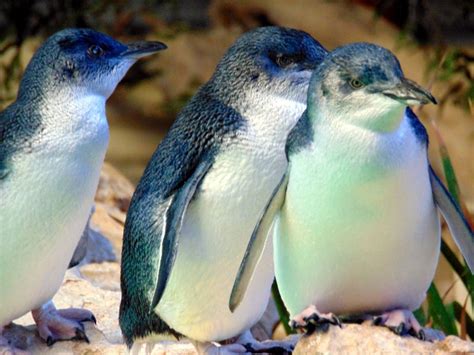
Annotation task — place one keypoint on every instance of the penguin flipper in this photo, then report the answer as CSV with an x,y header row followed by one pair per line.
x,y
81,248
257,243
460,230
177,203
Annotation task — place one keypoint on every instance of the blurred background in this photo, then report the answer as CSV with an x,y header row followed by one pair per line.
x,y
434,41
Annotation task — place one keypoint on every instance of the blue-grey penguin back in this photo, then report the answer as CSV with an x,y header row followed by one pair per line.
x,y
211,120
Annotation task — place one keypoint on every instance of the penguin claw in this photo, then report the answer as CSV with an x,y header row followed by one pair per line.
x,y
81,335
377,320
422,335
402,322
311,320
50,341
67,324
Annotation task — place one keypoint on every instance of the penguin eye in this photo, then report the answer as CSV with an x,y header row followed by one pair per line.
x,y
356,84
285,60
95,51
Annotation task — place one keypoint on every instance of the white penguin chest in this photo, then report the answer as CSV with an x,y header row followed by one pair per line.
x,y
46,201
214,236
366,226
218,225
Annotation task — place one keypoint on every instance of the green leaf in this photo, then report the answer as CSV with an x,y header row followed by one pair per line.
x,y
451,180
443,318
281,309
458,266
420,316
463,271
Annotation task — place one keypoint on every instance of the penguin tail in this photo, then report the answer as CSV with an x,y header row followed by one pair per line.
x,y
139,323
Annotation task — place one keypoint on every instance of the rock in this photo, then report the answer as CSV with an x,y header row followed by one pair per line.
x,y
109,226
366,339
111,204
114,191
99,248
93,247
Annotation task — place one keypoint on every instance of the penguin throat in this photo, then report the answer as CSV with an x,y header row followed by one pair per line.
x,y
375,118
272,116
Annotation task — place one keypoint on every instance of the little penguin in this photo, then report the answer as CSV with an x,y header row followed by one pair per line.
x,y
53,140
357,230
203,190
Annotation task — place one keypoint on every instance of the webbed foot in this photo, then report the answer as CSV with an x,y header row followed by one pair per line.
x,y
311,320
63,324
401,322
7,349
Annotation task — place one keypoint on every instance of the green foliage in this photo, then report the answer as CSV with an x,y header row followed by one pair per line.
x,y
10,72
444,316
453,67
281,309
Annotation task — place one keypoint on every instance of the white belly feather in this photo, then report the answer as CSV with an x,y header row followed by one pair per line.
x,y
357,233
216,230
45,203
218,225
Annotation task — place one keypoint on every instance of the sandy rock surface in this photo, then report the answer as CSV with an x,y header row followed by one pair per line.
x,y
365,339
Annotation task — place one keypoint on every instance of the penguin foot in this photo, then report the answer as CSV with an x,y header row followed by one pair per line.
x,y
7,349
252,345
401,322
64,324
311,320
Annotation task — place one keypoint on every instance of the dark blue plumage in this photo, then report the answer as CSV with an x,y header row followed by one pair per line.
x,y
300,136
417,126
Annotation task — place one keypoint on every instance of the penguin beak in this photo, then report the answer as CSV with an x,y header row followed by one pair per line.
x,y
410,93
140,49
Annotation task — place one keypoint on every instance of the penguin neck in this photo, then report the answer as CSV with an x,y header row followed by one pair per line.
x,y
71,113
384,117
351,143
270,116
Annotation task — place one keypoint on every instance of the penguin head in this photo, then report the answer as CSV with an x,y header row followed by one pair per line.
x,y
82,60
364,84
270,60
